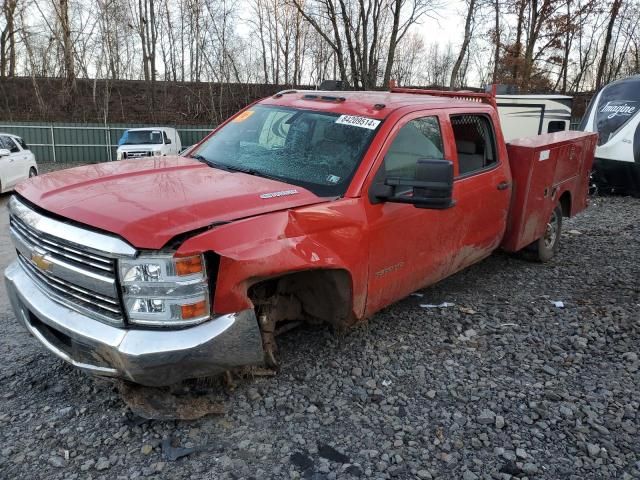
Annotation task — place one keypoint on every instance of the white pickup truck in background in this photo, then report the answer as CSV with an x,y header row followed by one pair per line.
x,y
149,142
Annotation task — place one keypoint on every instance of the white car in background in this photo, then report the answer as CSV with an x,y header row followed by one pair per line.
x,y
17,162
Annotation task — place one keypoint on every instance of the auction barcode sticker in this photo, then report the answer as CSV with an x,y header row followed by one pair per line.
x,y
362,122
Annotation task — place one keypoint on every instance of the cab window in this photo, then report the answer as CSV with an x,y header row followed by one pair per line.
x,y
419,138
474,143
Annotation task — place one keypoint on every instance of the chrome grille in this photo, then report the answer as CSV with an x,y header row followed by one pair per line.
x,y
66,252
137,154
61,290
68,263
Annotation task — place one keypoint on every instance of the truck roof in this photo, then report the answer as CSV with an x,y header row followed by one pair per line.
x,y
137,129
366,103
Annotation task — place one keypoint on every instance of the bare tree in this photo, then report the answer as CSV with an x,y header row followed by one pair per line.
x,y
566,45
468,31
365,34
417,9
61,30
8,39
409,63
314,14
613,15
496,51
62,12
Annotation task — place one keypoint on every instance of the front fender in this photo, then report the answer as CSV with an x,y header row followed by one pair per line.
x,y
331,235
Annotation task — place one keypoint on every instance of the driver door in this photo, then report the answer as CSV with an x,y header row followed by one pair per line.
x,y
409,247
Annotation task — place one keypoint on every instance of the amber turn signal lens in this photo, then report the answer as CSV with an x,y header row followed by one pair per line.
x,y
189,265
194,310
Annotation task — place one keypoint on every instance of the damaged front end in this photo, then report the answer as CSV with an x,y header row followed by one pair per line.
x,y
108,309
144,356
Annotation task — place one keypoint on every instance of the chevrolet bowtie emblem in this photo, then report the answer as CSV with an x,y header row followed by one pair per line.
x,y
40,262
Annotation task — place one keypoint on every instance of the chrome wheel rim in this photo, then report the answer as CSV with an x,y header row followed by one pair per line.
x,y
551,232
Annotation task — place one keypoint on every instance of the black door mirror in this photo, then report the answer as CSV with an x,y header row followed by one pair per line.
x,y
431,188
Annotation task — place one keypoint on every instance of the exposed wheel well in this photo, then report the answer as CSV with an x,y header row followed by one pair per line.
x,y
312,295
565,204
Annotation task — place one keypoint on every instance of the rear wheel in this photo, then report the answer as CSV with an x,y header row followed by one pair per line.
x,y
547,246
32,172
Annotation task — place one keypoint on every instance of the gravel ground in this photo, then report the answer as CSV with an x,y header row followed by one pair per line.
x,y
502,385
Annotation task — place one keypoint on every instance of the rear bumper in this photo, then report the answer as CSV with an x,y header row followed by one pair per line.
x,y
147,357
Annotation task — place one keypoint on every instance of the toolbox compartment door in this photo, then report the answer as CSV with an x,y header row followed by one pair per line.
x,y
544,168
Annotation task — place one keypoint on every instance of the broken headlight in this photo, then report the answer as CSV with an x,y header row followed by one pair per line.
x,y
164,290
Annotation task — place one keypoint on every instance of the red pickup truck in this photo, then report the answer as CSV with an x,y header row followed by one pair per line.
x,y
305,206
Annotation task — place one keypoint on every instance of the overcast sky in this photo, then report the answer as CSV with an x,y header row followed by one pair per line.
x,y
447,27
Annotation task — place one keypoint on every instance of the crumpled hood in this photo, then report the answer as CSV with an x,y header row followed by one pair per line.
x,y
148,202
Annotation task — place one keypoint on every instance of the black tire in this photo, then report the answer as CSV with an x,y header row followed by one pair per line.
x,y
547,246
33,172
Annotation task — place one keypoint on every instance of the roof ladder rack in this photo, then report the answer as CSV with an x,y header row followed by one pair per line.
x,y
488,98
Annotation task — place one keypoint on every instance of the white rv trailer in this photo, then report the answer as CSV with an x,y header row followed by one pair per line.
x,y
613,113
531,115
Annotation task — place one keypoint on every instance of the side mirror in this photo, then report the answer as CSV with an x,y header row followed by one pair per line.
x,y
4,152
432,187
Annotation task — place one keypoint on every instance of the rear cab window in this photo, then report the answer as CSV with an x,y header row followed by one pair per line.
x,y
475,143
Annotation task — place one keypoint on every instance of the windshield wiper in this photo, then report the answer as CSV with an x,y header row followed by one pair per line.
x,y
200,158
211,163
253,171
233,168
247,170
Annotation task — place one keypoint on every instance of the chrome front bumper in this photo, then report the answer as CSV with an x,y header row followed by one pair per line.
x,y
148,357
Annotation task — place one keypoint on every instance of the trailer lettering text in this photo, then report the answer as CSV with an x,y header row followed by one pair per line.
x,y
618,108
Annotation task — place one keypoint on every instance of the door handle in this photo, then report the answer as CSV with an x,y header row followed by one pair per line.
x,y
503,185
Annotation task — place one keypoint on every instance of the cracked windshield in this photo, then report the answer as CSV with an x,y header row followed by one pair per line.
x,y
316,150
